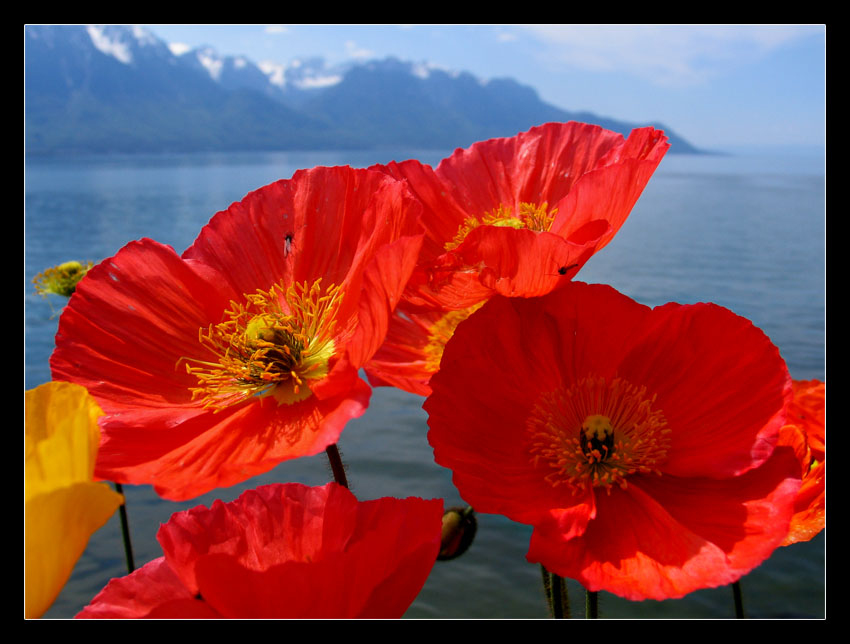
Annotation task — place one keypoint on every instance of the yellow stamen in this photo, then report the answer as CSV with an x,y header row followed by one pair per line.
x,y
441,332
597,433
272,345
531,216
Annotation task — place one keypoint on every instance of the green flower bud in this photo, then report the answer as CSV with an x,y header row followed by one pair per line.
x,y
459,527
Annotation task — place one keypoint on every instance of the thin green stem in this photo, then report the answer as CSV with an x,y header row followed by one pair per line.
x,y
125,530
565,597
547,588
336,465
591,605
557,597
560,598
557,602
739,600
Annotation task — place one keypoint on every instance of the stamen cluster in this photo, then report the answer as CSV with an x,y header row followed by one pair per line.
x,y
597,433
531,216
270,345
442,331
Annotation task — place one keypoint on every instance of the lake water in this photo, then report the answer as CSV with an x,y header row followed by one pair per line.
x,y
745,231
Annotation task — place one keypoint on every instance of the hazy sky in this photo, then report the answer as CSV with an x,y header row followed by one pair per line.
x,y
716,85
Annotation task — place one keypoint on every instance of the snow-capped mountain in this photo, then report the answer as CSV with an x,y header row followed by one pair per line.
x,y
128,45
119,88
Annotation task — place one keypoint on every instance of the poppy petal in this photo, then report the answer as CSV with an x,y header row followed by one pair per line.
x,y
673,545
152,591
285,551
63,507
725,407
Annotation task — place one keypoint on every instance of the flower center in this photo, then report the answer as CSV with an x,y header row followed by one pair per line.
x,y
597,433
441,332
274,344
531,216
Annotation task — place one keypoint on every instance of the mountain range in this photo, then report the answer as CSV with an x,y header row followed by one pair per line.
x,y
121,89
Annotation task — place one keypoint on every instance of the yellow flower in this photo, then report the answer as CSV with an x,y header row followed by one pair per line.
x,y
62,279
63,506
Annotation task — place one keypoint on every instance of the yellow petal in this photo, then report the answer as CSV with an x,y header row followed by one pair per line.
x,y
63,506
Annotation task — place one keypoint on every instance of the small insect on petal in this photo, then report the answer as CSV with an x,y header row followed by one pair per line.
x,y
563,269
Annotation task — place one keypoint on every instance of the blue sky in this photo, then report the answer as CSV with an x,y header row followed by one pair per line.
x,y
716,85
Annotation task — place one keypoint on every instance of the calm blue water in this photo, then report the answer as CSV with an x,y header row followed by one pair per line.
x,y
745,231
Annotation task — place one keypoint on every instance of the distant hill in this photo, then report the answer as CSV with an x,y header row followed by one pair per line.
x,y
121,89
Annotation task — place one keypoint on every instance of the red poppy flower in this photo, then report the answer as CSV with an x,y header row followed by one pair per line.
x,y
516,216
638,442
216,366
284,551
806,436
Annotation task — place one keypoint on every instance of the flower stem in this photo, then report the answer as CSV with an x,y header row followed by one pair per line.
x,y
555,589
547,588
125,530
560,598
739,600
591,605
336,465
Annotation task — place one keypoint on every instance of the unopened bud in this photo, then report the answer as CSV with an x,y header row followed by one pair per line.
x,y
459,527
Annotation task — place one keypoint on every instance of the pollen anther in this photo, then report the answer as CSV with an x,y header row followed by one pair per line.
x,y
268,345
530,216
597,433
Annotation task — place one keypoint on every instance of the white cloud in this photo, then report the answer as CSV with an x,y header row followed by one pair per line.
x,y
664,54
354,51
276,29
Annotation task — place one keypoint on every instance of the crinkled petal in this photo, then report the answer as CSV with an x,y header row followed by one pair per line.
x,y
809,508
270,525
610,190
588,177
808,410
152,591
290,551
524,263
377,575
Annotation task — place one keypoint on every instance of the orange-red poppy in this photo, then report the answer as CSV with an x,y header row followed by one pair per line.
x,y
805,433
515,216
640,443
284,551
216,366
